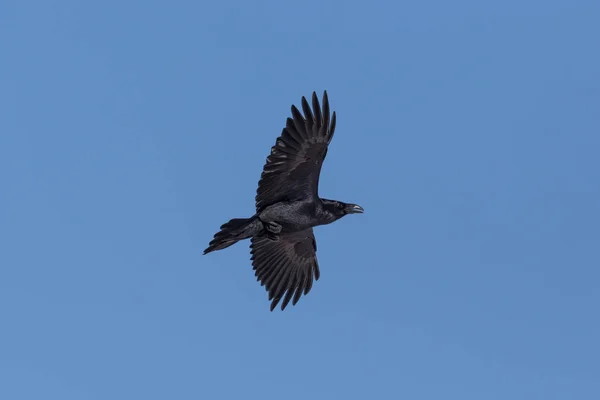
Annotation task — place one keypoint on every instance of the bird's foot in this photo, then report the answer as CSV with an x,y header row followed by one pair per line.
x,y
273,229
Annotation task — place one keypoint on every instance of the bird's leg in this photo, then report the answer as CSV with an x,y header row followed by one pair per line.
x,y
273,229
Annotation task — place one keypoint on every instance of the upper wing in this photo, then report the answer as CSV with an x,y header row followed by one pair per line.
x,y
293,167
286,266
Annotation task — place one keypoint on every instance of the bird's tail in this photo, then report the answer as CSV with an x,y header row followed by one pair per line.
x,y
233,231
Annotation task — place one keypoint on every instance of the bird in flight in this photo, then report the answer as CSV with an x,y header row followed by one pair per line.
x,y
288,206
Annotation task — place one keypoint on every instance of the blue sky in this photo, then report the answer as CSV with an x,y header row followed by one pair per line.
x,y
469,131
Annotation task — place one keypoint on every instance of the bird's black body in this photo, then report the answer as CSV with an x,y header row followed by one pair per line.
x,y
288,206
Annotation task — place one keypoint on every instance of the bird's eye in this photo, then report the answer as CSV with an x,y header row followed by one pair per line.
x,y
340,205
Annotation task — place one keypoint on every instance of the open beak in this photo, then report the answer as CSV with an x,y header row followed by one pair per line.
x,y
354,209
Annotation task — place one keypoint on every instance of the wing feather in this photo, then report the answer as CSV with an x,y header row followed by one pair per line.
x,y
299,122
291,129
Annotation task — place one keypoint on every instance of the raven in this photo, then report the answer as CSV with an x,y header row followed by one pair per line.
x,y
288,206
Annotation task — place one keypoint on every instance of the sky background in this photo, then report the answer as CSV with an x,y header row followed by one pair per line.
x,y
469,131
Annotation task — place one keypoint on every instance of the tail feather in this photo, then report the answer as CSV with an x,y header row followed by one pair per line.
x,y
233,231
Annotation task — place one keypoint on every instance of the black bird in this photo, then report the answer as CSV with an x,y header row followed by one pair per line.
x,y
288,206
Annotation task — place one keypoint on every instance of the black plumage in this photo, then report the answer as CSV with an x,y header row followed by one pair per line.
x,y
288,206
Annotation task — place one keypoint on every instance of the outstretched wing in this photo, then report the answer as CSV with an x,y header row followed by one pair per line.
x,y
286,266
293,167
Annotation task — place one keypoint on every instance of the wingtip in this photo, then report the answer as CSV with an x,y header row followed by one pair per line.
x,y
275,302
209,249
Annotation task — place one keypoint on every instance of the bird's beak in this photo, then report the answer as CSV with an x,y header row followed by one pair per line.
x,y
354,209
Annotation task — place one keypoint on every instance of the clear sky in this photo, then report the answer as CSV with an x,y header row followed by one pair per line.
x,y
468,130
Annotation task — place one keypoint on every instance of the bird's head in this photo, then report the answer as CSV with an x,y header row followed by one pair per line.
x,y
340,209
